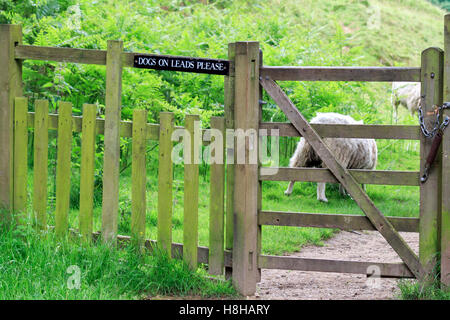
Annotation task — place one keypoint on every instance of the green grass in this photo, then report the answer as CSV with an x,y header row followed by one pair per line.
x,y
38,267
413,290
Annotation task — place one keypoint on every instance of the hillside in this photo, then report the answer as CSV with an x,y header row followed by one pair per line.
x,y
301,32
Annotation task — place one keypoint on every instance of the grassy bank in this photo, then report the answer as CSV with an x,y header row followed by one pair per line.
x,y
43,267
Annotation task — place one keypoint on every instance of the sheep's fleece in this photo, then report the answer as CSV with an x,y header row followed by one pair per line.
x,y
350,153
406,94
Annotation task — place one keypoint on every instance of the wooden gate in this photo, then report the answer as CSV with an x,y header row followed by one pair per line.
x,y
248,80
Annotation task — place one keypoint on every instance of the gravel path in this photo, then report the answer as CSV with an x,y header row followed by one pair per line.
x,y
361,246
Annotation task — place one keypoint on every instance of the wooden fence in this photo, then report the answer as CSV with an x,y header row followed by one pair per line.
x,y
236,215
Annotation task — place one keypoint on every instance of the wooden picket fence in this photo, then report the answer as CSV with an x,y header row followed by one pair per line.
x,y
236,215
140,132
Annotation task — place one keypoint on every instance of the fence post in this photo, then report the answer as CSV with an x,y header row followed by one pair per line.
x,y
229,86
10,87
111,162
192,149
430,198
445,218
165,182
139,175
216,194
246,178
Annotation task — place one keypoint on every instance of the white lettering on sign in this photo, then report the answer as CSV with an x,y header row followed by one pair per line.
x,y
182,64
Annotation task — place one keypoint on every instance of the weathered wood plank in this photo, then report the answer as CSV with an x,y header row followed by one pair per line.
x,y
246,186
430,202
260,144
445,214
113,101
73,55
10,88
125,126
176,249
63,168
21,156
87,171
138,175
387,270
380,74
345,178
374,131
383,177
165,181
40,170
191,183
229,87
217,197
338,221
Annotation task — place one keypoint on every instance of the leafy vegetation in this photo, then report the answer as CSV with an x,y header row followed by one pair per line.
x,y
444,4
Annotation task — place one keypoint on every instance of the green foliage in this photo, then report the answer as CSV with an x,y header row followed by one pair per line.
x,y
444,4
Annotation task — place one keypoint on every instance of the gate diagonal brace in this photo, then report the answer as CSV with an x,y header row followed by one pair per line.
x,y
377,219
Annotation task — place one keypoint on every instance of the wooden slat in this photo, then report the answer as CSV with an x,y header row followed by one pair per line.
x,y
345,178
87,171
375,131
430,202
338,221
40,170
165,181
217,197
111,160
380,74
387,270
191,184
229,88
10,88
445,214
138,175
125,126
63,168
21,156
176,249
73,55
246,186
382,177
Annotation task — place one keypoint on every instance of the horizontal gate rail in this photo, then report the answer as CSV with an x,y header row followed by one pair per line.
x,y
374,131
386,270
381,177
338,221
83,56
379,74
126,127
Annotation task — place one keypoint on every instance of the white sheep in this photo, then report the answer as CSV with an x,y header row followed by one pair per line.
x,y
406,94
350,153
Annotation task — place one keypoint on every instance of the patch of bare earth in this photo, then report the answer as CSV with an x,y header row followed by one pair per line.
x,y
361,246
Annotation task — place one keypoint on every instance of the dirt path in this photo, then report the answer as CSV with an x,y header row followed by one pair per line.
x,y
365,246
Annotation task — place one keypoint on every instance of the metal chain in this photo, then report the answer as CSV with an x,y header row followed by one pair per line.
x,y
437,125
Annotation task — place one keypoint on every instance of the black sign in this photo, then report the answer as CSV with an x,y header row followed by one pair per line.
x,y
184,64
